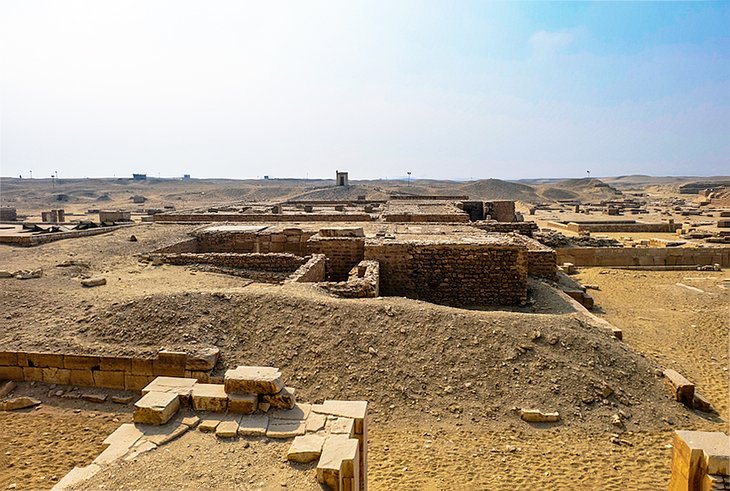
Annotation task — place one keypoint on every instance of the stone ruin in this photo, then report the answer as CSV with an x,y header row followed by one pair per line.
x,y
252,402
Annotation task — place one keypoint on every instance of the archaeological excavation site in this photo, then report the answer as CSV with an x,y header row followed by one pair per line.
x,y
345,335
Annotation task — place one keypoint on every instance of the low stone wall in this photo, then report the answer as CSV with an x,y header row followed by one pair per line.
x,y
112,372
364,282
28,240
426,217
522,228
313,271
644,256
619,226
259,239
242,217
343,253
458,274
277,262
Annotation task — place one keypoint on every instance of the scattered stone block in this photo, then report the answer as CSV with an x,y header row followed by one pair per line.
x,y
138,449
208,425
701,403
537,416
243,403
209,397
183,387
306,448
253,380
156,408
191,421
682,389
6,388
5,274
339,460
227,429
91,282
285,428
122,399
253,425
96,398
18,403
356,410
284,399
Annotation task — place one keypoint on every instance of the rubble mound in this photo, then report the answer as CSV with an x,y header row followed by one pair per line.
x,y
557,240
410,359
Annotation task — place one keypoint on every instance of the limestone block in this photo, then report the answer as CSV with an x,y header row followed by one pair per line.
x,y
115,363
183,387
253,380
81,362
76,476
108,379
306,448
44,360
285,428
242,403
91,282
204,359
18,403
170,363
143,366
209,397
339,460
316,422
191,421
341,426
701,403
81,377
356,410
136,382
11,373
8,358
163,434
6,388
537,416
208,425
56,376
33,373
201,376
284,399
682,389
156,408
95,398
127,434
253,425
227,429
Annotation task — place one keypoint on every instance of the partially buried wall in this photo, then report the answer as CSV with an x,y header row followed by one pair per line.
x,y
458,274
343,253
644,256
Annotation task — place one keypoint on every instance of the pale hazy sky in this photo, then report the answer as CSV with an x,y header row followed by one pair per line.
x,y
442,89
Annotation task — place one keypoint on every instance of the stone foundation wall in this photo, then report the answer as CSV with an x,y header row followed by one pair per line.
x,y
112,372
522,228
502,211
700,461
363,282
293,240
452,274
313,271
343,253
277,262
241,217
426,217
28,240
625,226
644,256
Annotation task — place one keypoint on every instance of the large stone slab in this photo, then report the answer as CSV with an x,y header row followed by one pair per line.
x,y
76,476
156,408
227,428
183,387
299,411
18,403
253,425
203,359
306,448
209,397
339,461
356,410
285,428
253,380
682,389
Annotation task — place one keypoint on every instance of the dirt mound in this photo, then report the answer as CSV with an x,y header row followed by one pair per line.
x,y
582,189
343,193
490,189
410,359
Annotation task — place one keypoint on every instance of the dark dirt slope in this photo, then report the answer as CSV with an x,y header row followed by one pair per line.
x,y
410,359
490,189
332,192
580,189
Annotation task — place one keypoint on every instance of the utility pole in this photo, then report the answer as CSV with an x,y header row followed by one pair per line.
x,y
409,178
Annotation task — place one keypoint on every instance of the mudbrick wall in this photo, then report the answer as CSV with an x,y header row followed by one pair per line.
x,y
523,228
292,240
113,372
278,262
313,271
452,274
343,253
637,227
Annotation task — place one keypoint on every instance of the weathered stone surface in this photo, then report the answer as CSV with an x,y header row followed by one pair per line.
x,y
11,373
204,359
97,398
126,435
6,388
299,411
242,403
163,434
209,397
682,389
89,282
253,425
316,422
191,421
253,380
138,449
701,403
208,425
356,410
18,403
108,379
81,377
306,448
8,358
285,428
81,362
183,387
156,408
170,363
537,416
342,426
339,460
227,429
284,399
76,476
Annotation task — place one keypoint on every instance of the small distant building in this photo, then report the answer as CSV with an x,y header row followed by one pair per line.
x,y
8,214
139,177
341,178
115,216
186,176
53,216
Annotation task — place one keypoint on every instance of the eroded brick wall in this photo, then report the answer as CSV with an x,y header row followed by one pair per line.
x,y
343,253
